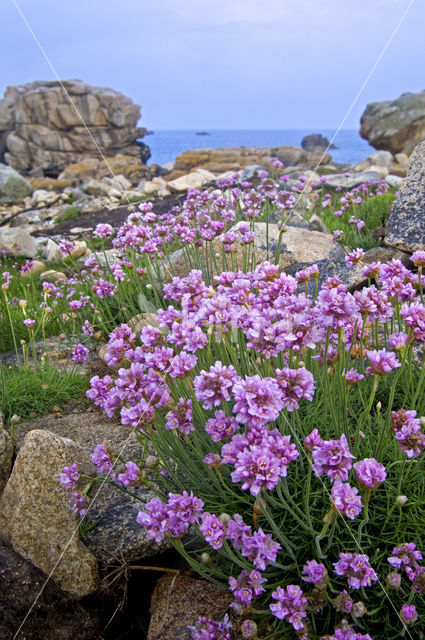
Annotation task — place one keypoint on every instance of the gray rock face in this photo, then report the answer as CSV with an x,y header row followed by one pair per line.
x,y
13,187
35,518
406,224
47,128
352,180
396,125
18,242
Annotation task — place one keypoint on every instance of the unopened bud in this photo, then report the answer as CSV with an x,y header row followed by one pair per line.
x,y
422,421
15,419
358,609
378,407
393,580
225,518
205,558
151,462
249,629
401,500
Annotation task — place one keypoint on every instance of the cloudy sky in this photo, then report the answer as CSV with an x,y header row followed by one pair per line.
x,y
195,64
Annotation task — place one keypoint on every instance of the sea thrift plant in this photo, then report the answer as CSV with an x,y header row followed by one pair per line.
x,y
279,416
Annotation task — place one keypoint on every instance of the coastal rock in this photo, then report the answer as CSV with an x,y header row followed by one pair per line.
x,y
194,180
130,167
352,180
396,125
116,533
406,224
393,181
224,159
382,159
315,141
178,601
18,242
13,187
48,124
35,517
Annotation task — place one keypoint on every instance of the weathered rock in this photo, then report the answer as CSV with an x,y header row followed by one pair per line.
x,y
51,252
6,453
194,180
351,181
382,159
116,534
406,224
13,187
178,601
298,244
53,276
50,121
36,267
396,125
86,167
393,181
35,517
225,159
315,141
18,242
54,614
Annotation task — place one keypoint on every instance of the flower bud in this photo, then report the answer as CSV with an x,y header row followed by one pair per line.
x,y
378,407
358,609
151,462
249,629
393,580
225,518
205,558
401,500
422,421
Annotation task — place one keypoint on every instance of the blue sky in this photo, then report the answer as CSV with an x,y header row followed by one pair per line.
x,y
197,64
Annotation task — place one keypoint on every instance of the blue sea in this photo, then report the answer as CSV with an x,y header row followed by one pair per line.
x,y
165,145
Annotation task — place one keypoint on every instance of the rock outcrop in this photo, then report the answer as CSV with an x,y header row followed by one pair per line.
x,y
234,158
43,125
397,125
406,224
316,142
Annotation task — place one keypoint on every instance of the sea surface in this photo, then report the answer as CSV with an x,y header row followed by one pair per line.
x,y
165,145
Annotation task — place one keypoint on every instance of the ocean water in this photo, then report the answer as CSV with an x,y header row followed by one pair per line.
x,y
165,145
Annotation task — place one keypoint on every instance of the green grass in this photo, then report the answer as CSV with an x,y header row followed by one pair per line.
x,y
28,393
71,213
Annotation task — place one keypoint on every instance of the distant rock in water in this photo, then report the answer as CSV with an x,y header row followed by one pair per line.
x,y
316,142
202,133
41,129
396,126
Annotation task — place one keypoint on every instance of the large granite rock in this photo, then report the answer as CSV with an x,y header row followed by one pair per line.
x,y
35,518
13,187
349,181
131,167
116,534
47,129
406,224
396,125
234,158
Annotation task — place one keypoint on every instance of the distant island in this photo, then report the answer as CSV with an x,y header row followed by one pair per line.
x,y
202,133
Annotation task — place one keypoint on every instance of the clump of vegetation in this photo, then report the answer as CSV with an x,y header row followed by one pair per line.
x,y
28,392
